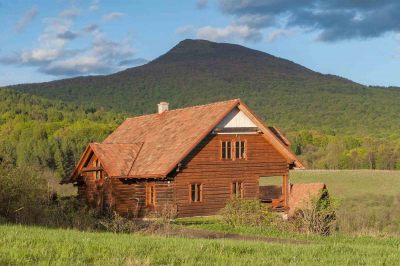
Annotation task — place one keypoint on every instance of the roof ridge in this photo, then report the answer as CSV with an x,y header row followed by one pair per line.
x,y
188,107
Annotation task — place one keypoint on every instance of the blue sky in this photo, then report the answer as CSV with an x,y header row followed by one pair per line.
x,y
45,40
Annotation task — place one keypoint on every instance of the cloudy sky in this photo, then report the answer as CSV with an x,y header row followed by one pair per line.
x,y
45,40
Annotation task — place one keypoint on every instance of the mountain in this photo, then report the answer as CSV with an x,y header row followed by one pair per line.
x,y
332,122
196,71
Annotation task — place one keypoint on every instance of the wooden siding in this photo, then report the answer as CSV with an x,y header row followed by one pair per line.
x,y
204,165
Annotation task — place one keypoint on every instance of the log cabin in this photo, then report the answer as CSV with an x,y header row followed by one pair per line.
x,y
194,159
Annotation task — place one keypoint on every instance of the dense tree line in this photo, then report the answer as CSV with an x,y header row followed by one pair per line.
x,y
48,134
325,151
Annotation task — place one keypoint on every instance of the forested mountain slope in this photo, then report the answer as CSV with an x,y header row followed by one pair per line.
x,y
332,122
196,71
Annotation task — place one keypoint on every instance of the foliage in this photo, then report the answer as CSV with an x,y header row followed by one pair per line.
x,y
318,215
163,217
118,224
22,193
243,212
48,134
333,123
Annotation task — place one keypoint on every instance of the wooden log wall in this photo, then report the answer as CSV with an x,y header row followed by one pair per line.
x,y
204,165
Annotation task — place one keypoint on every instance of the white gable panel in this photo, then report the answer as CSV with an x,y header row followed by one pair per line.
x,y
236,118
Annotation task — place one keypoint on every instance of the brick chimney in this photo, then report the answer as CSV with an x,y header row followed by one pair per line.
x,y
162,107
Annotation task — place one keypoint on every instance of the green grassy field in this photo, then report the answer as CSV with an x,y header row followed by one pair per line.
x,y
21,245
369,207
347,183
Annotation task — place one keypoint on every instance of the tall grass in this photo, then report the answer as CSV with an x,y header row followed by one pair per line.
x,y
21,245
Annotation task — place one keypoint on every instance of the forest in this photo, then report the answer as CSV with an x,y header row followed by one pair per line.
x,y
332,122
51,135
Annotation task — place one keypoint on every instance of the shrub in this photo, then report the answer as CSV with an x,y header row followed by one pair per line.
x,y
118,224
319,215
241,212
22,194
162,218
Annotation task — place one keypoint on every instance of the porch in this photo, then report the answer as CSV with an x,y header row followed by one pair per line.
x,y
274,191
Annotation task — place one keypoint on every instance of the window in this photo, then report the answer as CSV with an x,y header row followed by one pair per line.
x,y
196,193
237,189
150,195
226,151
240,150
97,173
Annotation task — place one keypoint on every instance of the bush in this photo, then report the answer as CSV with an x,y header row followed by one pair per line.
x,y
118,224
22,194
319,215
240,212
162,218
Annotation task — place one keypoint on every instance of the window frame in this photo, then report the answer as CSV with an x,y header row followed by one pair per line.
x,y
239,189
228,150
198,188
150,195
97,174
236,150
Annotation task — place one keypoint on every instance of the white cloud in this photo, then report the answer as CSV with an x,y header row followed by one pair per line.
x,y
184,30
81,64
94,5
277,34
27,18
52,53
112,15
228,33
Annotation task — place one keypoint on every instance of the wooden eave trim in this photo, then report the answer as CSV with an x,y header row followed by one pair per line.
x,y
91,169
78,167
270,136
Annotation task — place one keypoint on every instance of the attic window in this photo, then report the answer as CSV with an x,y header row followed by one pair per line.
x,y
97,173
240,149
226,150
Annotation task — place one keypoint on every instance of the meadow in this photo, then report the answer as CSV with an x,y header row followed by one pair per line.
x,y
22,245
368,234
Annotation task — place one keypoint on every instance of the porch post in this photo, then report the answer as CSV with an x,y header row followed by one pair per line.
x,y
285,190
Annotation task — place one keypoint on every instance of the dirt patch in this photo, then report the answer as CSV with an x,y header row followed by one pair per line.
x,y
199,233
